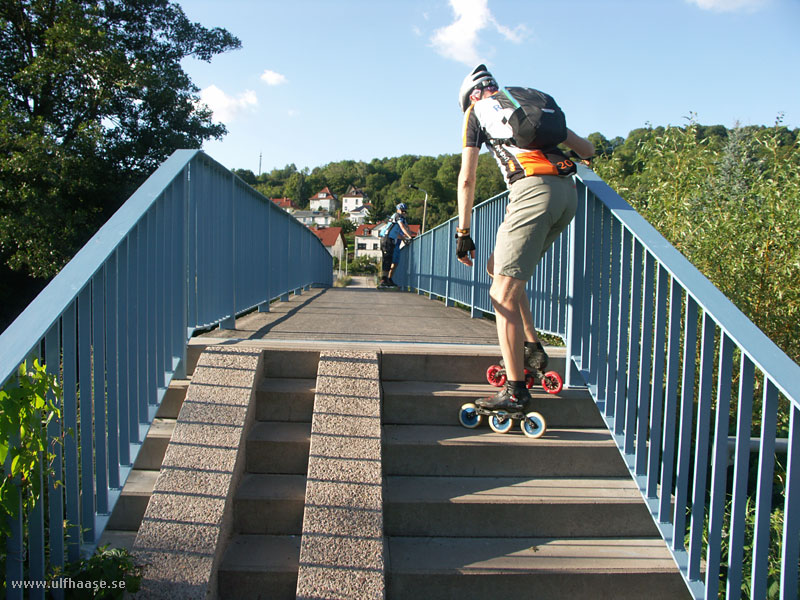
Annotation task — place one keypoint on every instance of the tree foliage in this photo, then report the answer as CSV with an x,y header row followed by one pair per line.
x,y
93,99
729,200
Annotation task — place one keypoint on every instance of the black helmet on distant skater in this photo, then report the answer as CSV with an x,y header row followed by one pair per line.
x,y
478,78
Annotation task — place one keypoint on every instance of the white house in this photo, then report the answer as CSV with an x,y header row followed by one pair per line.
x,y
366,241
324,200
311,218
359,215
353,198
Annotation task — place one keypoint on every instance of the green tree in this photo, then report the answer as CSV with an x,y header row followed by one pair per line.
x,y
730,202
93,99
346,224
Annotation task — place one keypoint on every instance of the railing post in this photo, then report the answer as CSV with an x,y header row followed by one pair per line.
x,y
230,321
575,286
448,301
475,314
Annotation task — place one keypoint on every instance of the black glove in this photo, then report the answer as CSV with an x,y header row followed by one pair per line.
x,y
464,245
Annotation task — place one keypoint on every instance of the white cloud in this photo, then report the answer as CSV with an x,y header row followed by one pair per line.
x,y
227,108
273,78
730,5
459,40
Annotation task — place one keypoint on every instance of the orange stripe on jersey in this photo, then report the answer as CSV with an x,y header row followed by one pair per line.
x,y
464,129
535,162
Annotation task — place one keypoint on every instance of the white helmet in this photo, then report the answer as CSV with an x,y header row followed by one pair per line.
x,y
478,78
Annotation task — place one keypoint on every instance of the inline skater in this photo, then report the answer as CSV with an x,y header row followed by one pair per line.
x,y
395,229
542,202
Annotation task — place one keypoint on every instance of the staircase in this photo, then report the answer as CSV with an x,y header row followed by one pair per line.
x,y
467,513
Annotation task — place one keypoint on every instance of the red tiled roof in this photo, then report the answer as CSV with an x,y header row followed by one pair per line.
x,y
328,235
324,190
366,228
283,202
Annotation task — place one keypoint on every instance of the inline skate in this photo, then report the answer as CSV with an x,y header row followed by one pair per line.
x,y
502,410
535,364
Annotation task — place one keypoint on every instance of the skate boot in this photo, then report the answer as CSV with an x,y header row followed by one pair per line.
x,y
536,360
503,409
506,400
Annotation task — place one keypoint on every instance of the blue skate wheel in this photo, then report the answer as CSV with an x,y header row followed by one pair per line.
x,y
469,417
500,422
533,425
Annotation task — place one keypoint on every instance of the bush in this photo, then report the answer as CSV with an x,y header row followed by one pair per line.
x,y
364,265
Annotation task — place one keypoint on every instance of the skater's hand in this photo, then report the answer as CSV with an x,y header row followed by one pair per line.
x,y
465,249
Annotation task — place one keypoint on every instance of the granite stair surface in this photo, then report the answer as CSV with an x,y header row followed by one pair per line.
x,y
125,519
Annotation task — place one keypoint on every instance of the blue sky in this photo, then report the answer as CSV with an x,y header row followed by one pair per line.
x,y
318,81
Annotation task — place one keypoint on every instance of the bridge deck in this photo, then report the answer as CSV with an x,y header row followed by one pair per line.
x,y
360,312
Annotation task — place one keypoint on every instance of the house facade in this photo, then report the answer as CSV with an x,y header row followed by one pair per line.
x,y
359,215
366,241
353,198
324,200
313,218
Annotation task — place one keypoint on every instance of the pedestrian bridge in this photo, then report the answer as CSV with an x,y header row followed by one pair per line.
x,y
701,409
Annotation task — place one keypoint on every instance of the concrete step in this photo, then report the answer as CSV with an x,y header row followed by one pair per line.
x,y
515,507
117,539
154,446
438,403
285,399
269,504
480,568
457,451
466,368
276,447
300,364
260,566
173,398
129,509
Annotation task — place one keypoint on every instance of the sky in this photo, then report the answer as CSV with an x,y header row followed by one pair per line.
x,y
319,81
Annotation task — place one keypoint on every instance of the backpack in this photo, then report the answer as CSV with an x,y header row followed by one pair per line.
x,y
386,227
537,122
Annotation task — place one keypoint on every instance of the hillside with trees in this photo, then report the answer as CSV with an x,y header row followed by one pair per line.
x,y
385,181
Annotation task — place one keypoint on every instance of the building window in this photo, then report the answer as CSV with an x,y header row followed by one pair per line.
x,y
374,246
362,246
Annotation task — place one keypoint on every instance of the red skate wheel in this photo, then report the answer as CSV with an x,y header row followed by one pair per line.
x,y
530,381
496,375
552,382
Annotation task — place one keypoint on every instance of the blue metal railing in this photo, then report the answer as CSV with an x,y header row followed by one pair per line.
x,y
193,247
674,368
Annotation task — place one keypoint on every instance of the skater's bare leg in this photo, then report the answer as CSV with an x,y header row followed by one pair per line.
x,y
525,309
507,294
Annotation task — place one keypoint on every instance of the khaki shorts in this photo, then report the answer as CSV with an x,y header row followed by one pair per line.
x,y
539,209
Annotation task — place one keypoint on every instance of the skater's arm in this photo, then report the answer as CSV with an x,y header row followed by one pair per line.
x,y
466,186
405,229
582,147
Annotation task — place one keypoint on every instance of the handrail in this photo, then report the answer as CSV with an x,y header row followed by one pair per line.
x,y
193,247
674,368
